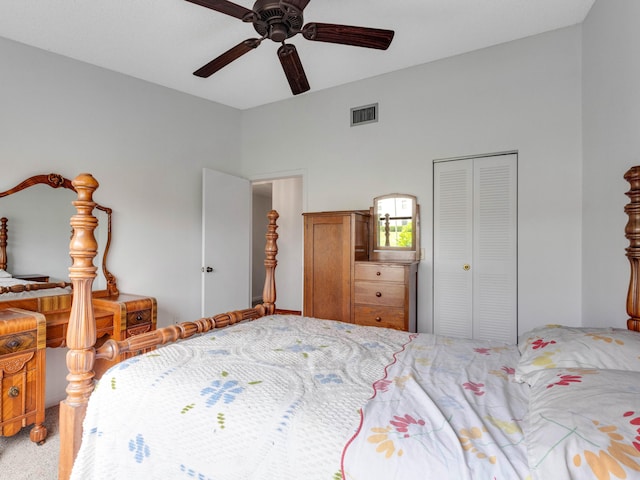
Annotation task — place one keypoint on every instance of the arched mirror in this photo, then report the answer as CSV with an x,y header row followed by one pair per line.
x,y
36,241
396,228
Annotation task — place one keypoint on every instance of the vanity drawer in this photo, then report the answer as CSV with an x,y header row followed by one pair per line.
x,y
139,317
379,293
379,272
388,317
17,342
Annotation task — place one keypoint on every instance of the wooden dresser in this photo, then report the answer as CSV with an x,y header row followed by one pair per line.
x,y
385,294
333,241
361,266
22,372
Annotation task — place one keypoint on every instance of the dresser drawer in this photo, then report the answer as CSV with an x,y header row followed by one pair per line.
x,y
139,317
374,293
17,342
379,272
388,317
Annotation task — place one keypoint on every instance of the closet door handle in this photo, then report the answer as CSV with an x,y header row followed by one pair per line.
x,y
466,267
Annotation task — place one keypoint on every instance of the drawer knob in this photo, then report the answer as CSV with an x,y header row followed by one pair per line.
x,y
378,273
138,318
13,343
378,319
14,392
378,294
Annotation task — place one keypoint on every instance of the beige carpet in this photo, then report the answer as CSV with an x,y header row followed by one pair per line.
x,y
21,459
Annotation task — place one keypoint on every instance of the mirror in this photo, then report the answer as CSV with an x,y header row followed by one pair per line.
x,y
395,228
39,210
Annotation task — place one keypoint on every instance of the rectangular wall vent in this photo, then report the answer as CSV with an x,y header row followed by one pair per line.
x,y
364,114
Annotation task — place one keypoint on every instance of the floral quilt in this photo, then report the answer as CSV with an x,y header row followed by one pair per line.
x,y
446,409
276,398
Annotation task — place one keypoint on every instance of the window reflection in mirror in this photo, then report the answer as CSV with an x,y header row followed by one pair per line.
x,y
394,216
395,228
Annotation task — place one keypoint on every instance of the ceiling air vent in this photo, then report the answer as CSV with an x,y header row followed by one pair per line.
x,y
365,114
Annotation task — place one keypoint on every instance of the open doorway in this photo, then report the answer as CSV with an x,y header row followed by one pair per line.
x,y
285,196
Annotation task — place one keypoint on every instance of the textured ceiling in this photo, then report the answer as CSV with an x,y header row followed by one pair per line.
x,y
164,41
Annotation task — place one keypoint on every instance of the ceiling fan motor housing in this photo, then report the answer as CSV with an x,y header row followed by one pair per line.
x,y
277,20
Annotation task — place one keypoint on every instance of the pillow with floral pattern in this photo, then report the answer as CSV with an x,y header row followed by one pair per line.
x,y
557,346
584,424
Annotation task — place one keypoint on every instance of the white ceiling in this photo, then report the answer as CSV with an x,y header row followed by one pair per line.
x,y
164,41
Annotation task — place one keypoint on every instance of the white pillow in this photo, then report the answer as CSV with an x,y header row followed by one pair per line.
x,y
577,347
4,274
583,424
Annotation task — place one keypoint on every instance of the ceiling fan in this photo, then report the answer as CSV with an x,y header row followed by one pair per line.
x,y
280,20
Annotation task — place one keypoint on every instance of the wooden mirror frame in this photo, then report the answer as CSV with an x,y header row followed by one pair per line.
x,y
55,180
388,253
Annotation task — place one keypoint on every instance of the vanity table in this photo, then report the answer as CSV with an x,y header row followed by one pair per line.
x,y
361,266
29,323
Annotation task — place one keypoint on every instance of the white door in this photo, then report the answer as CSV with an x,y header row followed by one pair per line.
x,y
226,242
475,248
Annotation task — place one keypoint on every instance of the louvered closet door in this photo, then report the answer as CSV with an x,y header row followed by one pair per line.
x,y
475,248
453,247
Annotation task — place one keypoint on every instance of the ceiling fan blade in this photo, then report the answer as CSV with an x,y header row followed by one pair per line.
x,y
227,57
224,6
293,70
348,35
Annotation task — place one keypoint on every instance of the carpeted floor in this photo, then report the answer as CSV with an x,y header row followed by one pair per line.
x,y
21,459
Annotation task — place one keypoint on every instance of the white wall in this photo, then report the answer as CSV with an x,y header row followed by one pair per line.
x,y
611,120
524,96
145,144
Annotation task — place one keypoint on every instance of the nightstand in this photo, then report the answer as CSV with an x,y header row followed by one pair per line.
x,y
132,315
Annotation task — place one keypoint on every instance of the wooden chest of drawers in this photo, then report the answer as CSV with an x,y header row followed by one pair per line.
x,y
22,372
385,294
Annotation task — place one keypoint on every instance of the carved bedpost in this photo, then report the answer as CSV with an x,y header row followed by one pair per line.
x,y
3,243
270,262
632,232
81,334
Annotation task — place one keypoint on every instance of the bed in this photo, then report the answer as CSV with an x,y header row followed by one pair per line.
x,y
253,395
